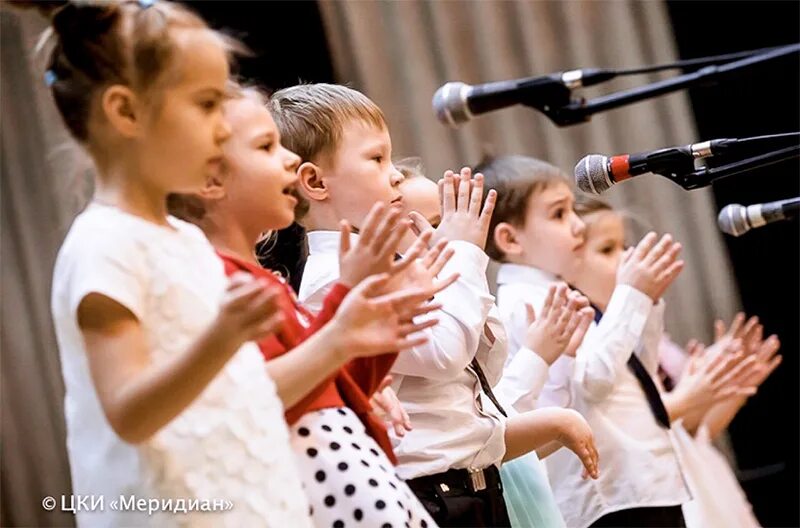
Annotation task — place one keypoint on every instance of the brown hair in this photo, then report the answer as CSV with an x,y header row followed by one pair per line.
x,y
311,117
515,179
99,43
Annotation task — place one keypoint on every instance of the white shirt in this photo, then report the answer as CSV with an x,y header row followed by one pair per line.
x,y
525,372
230,444
638,462
433,382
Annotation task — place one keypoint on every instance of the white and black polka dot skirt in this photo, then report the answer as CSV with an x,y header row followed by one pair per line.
x,y
348,479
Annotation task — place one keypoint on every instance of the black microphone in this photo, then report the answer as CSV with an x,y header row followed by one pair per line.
x,y
457,102
595,173
736,220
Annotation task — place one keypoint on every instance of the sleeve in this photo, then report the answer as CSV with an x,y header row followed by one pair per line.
x,y
523,380
465,305
608,346
330,303
116,270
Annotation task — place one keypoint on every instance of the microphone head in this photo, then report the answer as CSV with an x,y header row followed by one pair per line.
x,y
450,104
732,220
591,174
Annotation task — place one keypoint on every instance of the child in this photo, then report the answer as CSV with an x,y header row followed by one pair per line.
x,y
165,398
538,238
528,495
343,465
452,451
711,382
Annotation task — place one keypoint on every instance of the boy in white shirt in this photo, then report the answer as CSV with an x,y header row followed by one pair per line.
x,y
538,238
450,456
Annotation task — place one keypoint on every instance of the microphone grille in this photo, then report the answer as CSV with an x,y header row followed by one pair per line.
x,y
591,174
450,104
732,220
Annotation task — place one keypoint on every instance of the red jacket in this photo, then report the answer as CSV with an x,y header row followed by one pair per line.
x,y
352,385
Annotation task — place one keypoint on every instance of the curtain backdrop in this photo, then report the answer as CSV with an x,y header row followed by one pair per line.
x,y
399,53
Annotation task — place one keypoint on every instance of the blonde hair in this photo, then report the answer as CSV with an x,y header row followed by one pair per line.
x,y
311,117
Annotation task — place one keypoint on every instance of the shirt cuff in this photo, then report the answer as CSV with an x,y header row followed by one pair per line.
x,y
630,305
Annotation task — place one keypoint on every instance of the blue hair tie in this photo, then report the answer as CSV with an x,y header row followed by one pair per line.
x,y
50,77
144,4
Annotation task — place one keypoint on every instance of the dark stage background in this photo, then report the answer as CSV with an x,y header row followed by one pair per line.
x,y
765,261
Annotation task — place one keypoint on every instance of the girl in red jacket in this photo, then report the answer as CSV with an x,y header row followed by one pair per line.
x,y
326,367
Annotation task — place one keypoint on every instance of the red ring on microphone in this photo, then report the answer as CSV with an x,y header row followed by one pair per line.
x,y
619,167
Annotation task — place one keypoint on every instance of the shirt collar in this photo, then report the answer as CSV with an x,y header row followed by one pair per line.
x,y
326,241
517,273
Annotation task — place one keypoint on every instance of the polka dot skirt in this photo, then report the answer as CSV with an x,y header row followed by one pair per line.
x,y
349,481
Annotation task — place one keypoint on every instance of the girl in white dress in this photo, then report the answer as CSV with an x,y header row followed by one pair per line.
x,y
171,418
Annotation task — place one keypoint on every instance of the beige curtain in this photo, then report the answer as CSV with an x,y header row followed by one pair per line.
x,y
400,52
38,201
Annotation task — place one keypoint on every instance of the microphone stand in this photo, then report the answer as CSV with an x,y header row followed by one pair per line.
x,y
703,177
579,111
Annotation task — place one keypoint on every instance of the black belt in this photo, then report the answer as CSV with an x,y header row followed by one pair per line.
x,y
471,480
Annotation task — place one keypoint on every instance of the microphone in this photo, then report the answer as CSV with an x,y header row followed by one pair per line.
x,y
736,220
457,102
595,173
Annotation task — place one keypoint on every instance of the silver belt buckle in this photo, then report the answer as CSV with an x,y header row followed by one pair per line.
x,y
477,479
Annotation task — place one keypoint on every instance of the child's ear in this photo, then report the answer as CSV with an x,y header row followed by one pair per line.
x,y
505,239
214,189
122,110
311,181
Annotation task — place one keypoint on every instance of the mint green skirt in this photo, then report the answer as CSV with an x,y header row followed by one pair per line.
x,y
528,496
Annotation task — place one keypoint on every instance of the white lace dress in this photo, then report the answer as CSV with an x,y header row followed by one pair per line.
x,y
229,450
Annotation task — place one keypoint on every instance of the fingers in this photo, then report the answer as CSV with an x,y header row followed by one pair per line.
x,y
669,256
548,301
530,314
644,246
385,382
371,286
370,224
443,258
270,326
736,324
748,328
476,196
408,329
447,193
344,237
419,224
488,209
389,248
381,233
444,283
719,329
659,249
464,186
433,253
416,311
670,274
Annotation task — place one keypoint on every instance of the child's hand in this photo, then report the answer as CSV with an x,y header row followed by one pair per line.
x,y
375,250
711,376
415,272
576,435
462,215
764,351
371,323
563,316
386,405
249,310
651,267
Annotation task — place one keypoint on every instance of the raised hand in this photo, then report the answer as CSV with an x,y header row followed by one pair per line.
x,y
376,247
249,309
563,322
651,267
463,218
371,322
